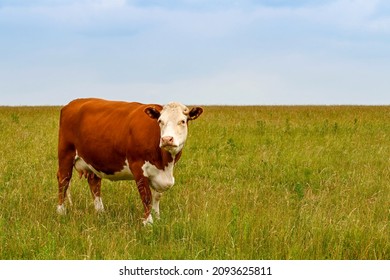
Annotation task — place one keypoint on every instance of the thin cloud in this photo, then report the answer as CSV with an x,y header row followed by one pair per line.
x,y
228,52
215,18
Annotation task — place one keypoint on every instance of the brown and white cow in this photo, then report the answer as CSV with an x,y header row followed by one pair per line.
x,y
122,141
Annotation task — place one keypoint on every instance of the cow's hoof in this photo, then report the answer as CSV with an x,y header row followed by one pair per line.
x,y
98,205
61,209
148,221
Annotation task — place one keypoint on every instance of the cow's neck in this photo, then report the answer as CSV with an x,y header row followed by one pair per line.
x,y
167,157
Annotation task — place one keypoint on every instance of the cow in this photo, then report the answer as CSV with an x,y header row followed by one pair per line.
x,y
118,140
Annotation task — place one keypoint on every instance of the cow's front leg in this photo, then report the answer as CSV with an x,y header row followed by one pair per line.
x,y
144,191
156,196
146,197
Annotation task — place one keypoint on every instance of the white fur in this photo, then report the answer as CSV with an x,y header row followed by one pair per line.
x,y
69,196
124,174
148,220
173,123
61,210
160,180
98,204
156,196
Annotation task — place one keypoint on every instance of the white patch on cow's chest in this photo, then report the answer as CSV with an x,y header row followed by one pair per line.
x,y
83,167
160,180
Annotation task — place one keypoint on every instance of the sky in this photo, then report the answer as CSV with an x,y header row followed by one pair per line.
x,y
203,52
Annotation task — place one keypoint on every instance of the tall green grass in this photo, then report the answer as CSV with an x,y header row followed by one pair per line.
x,y
253,183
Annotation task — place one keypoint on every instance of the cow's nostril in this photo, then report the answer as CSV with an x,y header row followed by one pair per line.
x,y
167,140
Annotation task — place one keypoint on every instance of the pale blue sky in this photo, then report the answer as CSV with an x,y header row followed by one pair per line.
x,y
196,52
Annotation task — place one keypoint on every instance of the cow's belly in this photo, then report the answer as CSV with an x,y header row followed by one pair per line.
x,y
84,168
160,180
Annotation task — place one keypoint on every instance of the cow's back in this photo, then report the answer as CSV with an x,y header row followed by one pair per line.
x,y
102,132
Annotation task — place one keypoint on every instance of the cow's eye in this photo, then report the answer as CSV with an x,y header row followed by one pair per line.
x,y
160,122
182,122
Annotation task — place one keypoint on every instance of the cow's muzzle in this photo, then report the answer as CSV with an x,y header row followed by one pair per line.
x,y
168,142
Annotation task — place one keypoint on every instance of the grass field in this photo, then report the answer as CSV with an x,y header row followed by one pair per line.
x,y
253,183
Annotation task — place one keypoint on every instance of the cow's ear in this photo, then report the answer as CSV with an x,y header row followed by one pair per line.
x,y
195,113
152,112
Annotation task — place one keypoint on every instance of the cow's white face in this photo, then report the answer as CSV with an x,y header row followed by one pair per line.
x,y
173,120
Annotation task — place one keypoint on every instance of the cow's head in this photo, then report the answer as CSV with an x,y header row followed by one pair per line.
x,y
173,120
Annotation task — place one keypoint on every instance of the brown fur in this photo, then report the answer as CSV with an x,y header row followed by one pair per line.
x,y
106,134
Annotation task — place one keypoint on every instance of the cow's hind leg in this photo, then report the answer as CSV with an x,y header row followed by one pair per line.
x,y
64,176
95,186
